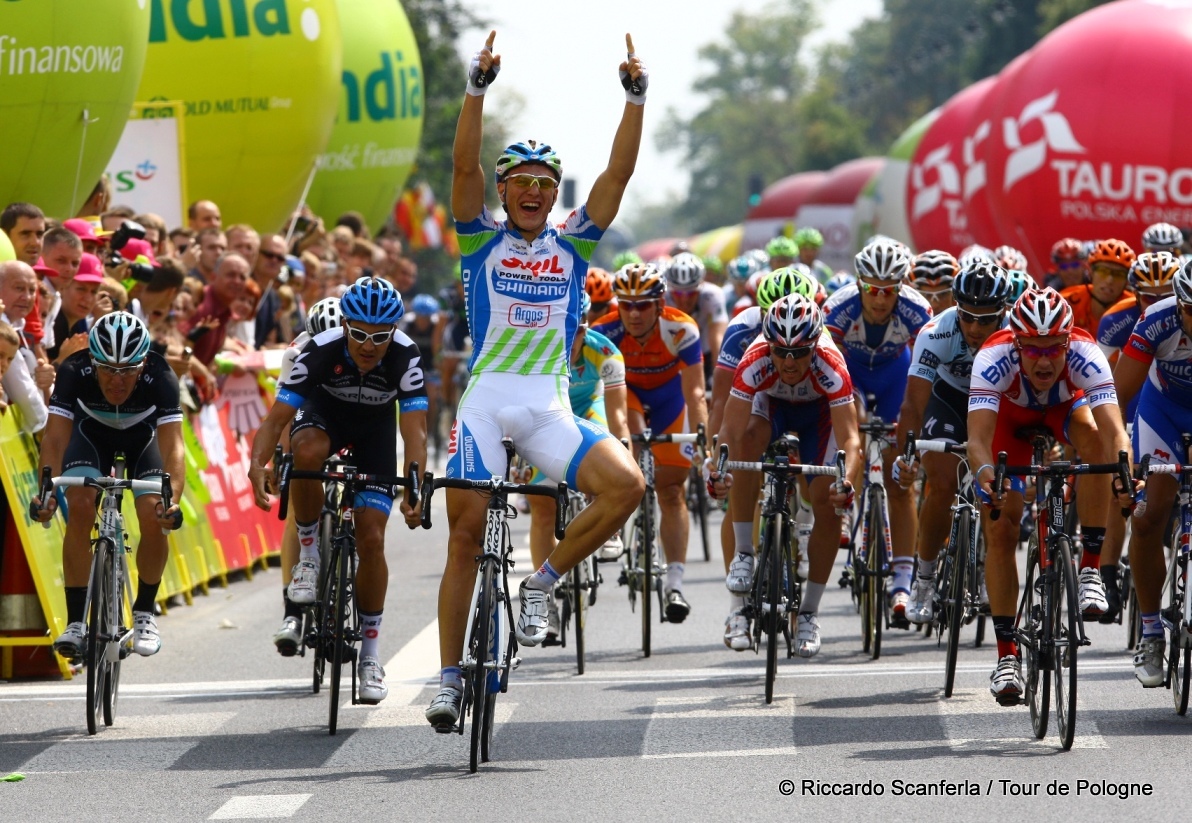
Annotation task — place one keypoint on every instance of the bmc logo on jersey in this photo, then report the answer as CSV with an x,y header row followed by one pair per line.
x,y
528,316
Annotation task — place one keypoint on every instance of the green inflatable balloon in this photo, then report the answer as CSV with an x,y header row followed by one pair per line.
x,y
260,82
68,77
7,252
375,139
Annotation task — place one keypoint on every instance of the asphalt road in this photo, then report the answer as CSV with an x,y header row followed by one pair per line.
x,y
218,726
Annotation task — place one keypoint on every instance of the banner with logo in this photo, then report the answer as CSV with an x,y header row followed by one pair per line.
x,y
148,168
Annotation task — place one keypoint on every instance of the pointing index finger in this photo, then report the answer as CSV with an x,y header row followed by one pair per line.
x,y
492,36
629,44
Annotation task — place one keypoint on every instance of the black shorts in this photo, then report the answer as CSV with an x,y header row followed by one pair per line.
x,y
93,447
371,436
946,415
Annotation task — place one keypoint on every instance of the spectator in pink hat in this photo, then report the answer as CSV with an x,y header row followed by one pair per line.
x,y
78,299
85,232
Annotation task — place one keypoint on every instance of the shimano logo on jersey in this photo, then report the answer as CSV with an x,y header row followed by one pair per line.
x,y
469,453
528,316
535,267
544,291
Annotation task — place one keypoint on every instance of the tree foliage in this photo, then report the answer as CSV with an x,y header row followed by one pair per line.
x,y
774,111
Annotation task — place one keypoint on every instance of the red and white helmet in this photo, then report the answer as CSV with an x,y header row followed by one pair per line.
x,y
1041,313
793,320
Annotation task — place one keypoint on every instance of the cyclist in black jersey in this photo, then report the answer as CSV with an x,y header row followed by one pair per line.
x,y
340,393
116,397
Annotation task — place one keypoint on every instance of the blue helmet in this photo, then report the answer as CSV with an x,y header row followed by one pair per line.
x,y
528,152
424,304
372,300
839,281
118,339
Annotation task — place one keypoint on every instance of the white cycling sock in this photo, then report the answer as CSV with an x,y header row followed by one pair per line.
x,y
370,631
308,541
926,568
743,535
904,569
812,592
736,602
674,576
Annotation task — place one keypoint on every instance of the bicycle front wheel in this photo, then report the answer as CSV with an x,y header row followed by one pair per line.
x,y
1034,643
953,605
769,590
99,632
479,652
645,556
697,502
579,609
1065,636
1178,669
875,556
339,611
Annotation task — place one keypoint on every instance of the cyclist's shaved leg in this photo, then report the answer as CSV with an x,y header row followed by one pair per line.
x,y
542,528
903,526
76,545
465,519
674,524
154,547
940,490
372,575
1001,568
609,474
1092,490
1148,561
311,448
824,542
743,445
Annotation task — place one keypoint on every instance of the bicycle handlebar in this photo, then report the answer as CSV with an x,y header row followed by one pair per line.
x,y
559,493
1060,468
699,437
346,475
160,484
944,446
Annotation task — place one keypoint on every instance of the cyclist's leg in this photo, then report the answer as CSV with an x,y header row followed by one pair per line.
x,y
888,383
313,437
146,463
1092,505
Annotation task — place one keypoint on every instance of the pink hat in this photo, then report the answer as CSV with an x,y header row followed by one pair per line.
x,y
135,248
90,270
83,229
42,269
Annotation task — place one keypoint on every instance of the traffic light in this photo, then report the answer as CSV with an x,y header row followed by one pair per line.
x,y
756,184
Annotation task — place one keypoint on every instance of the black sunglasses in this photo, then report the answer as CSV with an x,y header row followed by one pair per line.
x,y
798,352
979,319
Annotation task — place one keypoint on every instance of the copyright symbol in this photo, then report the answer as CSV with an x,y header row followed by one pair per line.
x,y
786,787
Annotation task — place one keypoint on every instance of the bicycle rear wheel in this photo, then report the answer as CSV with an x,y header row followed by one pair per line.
x,y
1065,635
645,556
954,604
697,503
875,555
769,591
478,676
1036,666
99,632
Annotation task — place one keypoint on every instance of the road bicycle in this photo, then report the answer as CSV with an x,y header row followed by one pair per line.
x,y
959,582
576,590
490,648
699,505
869,544
334,630
109,588
1048,625
1177,615
645,564
772,603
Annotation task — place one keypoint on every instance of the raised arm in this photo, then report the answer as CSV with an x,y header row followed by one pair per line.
x,y
467,176
605,199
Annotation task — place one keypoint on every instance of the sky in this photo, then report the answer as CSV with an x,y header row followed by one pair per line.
x,y
560,67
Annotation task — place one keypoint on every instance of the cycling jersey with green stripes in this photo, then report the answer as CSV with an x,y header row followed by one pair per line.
x,y
523,298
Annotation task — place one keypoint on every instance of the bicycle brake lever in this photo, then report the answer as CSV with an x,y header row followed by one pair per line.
x,y
561,512
840,478
428,487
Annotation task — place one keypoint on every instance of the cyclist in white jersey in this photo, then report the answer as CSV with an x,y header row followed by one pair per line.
x,y
523,283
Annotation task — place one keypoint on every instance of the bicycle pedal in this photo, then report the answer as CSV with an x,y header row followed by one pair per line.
x,y
1009,700
514,663
446,728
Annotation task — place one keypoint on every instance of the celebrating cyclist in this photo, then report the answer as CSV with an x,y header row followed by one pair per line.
x,y
936,408
703,302
1041,371
340,393
523,280
116,397
1156,360
874,323
792,379
665,376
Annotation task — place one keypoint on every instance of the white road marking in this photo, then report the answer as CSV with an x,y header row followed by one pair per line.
x,y
258,806
414,664
972,719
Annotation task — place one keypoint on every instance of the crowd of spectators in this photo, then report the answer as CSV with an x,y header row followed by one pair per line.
x,y
215,297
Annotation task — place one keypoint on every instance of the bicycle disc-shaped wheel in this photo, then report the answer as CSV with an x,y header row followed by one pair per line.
x,y
480,653
954,601
1036,667
99,632
1065,633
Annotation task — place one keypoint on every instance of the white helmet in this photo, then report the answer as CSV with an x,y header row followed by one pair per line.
x,y
882,261
324,315
1162,237
685,272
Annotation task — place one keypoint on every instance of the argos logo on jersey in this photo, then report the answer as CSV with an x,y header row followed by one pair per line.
x,y
529,316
